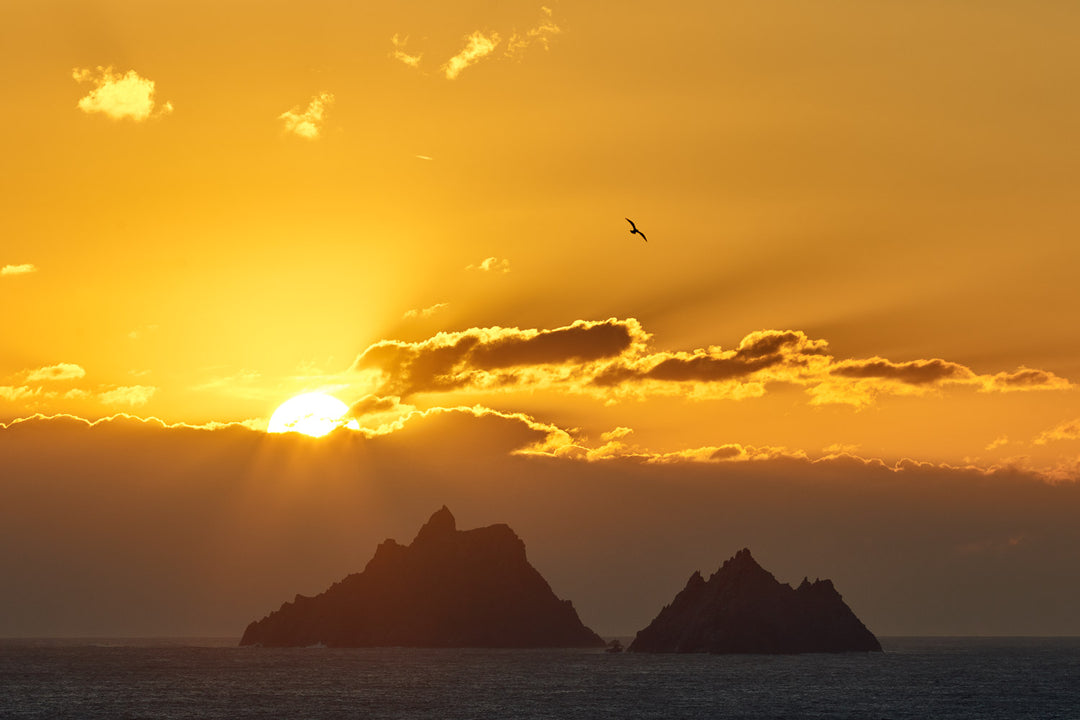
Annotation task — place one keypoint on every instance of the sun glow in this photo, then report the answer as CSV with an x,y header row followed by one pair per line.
x,y
314,414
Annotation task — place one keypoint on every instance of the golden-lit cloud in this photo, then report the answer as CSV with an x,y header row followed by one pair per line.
x,y
1022,379
308,124
399,53
424,313
24,269
18,392
1068,430
477,47
495,357
541,35
60,371
480,45
117,95
491,264
130,395
613,359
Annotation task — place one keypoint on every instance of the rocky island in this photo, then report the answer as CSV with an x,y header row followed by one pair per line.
x,y
449,588
742,608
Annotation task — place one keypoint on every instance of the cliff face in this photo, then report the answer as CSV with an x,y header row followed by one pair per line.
x,y
449,588
742,608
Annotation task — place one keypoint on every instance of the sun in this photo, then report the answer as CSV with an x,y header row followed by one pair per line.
x,y
313,414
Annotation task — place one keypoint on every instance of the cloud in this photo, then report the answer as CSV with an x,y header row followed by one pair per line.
x,y
164,530
494,357
425,312
613,359
18,392
308,124
24,269
540,34
477,47
480,45
491,264
399,53
1023,379
1068,430
60,371
118,95
130,395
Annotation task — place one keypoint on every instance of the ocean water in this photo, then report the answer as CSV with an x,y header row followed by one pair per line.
x,y
914,678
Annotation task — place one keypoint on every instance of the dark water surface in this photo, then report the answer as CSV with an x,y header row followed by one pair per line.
x,y
914,678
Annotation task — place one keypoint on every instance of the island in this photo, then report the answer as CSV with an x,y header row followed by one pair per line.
x,y
448,589
742,608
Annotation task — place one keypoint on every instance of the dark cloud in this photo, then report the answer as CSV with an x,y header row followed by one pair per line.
x,y
915,372
577,343
1026,379
450,361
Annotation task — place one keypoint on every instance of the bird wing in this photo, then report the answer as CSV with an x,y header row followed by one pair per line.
x,y
632,225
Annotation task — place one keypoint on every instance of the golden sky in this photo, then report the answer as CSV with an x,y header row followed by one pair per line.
x,y
861,220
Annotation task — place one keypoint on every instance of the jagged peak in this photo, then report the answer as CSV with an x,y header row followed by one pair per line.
x,y
439,524
741,559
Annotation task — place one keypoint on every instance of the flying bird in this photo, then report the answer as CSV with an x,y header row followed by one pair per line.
x,y
633,229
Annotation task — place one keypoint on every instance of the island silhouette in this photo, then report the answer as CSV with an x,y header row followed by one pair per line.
x,y
475,588
742,608
449,588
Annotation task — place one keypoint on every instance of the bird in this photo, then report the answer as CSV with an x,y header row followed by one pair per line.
x,y
633,229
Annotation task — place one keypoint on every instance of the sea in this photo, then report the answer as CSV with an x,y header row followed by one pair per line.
x,y
212,678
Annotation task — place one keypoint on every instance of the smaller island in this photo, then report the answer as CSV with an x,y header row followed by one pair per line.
x,y
449,589
742,608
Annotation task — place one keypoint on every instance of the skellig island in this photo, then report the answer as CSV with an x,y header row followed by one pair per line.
x,y
742,608
449,588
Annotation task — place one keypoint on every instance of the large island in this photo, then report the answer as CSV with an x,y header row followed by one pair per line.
x,y
449,588
742,608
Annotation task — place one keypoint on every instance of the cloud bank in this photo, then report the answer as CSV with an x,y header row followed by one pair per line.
x,y
175,530
614,358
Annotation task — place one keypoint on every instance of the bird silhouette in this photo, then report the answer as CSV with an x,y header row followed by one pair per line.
x,y
633,230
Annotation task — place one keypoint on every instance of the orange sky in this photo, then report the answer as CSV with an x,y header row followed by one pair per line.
x,y
861,223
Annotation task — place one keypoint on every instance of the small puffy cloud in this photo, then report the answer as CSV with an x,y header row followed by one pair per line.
x,y
540,34
1023,379
308,124
480,45
1068,430
60,371
424,313
18,392
399,53
130,395
119,96
24,269
477,47
491,264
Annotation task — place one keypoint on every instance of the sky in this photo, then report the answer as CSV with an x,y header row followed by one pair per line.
x,y
847,342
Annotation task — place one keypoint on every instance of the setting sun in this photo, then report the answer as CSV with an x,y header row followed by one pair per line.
x,y
314,414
